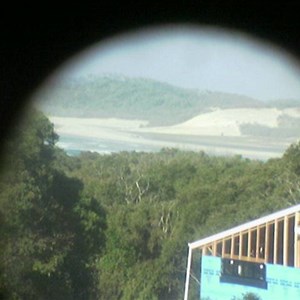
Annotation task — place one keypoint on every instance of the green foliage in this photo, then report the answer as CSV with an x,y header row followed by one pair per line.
x,y
112,96
248,296
46,243
156,203
292,157
288,127
116,226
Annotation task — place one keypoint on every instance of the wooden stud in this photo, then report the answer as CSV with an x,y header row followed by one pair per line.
x,y
188,273
257,242
214,248
275,241
232,247
240,245
223,247
249,244
209,245
285,241
267,240
262,242
296,242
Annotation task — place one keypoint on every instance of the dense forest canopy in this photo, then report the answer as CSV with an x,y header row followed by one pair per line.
x,y
161,104
116,226
130,98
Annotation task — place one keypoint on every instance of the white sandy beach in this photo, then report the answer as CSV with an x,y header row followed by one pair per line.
x,y
111,129
216,123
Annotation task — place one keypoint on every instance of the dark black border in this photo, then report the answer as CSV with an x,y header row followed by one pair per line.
x,y
37,38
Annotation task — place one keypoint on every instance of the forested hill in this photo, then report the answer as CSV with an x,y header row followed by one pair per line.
x,y
121,97
116,226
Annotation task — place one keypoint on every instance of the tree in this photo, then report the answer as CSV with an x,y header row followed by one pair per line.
x,y
48,229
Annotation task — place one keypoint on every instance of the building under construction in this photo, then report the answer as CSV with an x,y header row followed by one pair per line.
x,y
261,257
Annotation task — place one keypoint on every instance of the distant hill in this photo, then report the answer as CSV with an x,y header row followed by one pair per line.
x,y
121,97
285,103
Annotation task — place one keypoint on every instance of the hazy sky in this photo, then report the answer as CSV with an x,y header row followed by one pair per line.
x,y
204,59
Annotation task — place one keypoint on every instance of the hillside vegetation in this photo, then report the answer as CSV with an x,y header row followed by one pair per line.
x,y
116,226
161,104
128,98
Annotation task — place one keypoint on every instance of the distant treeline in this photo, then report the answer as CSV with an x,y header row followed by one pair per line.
x,y
288,127
110,96
117,226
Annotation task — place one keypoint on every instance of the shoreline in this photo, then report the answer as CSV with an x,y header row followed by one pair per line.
x,y
131,134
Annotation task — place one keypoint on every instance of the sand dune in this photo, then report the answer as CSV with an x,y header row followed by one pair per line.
x,y
216,131
215,123
227,121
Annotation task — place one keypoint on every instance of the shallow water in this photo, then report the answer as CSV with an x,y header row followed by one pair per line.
x,y
261,149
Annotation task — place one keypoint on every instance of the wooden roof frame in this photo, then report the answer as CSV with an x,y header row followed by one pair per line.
x,y
246,226
255,224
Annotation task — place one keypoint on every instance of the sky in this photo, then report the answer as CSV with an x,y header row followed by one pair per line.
x,y
193,57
